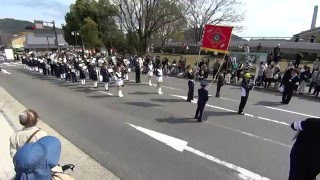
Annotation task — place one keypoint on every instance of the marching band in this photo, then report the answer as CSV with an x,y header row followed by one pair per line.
x,y
70,67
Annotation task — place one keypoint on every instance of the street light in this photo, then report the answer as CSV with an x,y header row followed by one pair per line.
x,y
75,34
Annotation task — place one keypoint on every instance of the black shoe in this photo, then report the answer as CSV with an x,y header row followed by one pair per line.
x,y
241,113
199,120
188,100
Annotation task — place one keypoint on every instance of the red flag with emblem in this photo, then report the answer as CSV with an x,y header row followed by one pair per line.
x,y
216,38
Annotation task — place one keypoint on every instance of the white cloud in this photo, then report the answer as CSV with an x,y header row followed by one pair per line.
x,y
277,18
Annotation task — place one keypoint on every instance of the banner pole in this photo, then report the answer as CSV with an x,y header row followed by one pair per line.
x,y
221,63
218,71
199,56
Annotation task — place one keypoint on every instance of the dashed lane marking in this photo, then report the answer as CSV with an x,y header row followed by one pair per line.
x,y
248,134
302,114
230,110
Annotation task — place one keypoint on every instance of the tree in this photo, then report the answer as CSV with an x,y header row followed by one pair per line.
x,y
100,12
110,34
143,18
171,30
90,33
203,12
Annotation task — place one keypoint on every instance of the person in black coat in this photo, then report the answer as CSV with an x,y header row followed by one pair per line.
x,y
94,77
246,86
58,70
73,74
202,100
138,70
276,54
286,77
105,77
290,87
305,156
83,74
220,83
298,60
68,72
190,77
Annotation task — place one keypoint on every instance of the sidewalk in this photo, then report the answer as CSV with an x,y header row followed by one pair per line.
x,y
85,167
6,165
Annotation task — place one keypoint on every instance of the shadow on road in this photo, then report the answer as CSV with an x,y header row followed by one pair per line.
x,y
267,103
142,104
142,93
101,96
173,120
168,100
207,114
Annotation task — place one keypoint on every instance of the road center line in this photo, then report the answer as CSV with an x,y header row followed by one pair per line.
x,y
230,110
229,99
248,134
278,109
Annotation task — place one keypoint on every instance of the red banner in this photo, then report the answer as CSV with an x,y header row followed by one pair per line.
x,y
216,38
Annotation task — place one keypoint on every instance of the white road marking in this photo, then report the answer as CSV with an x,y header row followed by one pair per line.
x,y
5,71
181,145
230,110
11,64
229,99
271,120
248,134
107,93
278,109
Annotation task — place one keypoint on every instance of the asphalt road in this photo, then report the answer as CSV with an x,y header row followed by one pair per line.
x,y
225,146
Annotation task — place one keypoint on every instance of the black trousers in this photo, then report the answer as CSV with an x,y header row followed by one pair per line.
x,y
199,111
68,76
215,71
138,72
73,77
311,86
243,103
287,94
53,69
191,90
317,90
218,91
303,165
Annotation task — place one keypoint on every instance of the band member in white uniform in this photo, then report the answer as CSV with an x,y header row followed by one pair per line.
x,y
127,70
83,74
159,74
150,72
94,77
119,81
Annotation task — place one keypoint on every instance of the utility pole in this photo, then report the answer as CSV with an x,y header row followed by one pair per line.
x,y
55,33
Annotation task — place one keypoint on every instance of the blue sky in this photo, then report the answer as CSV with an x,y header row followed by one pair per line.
x,y
275,18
